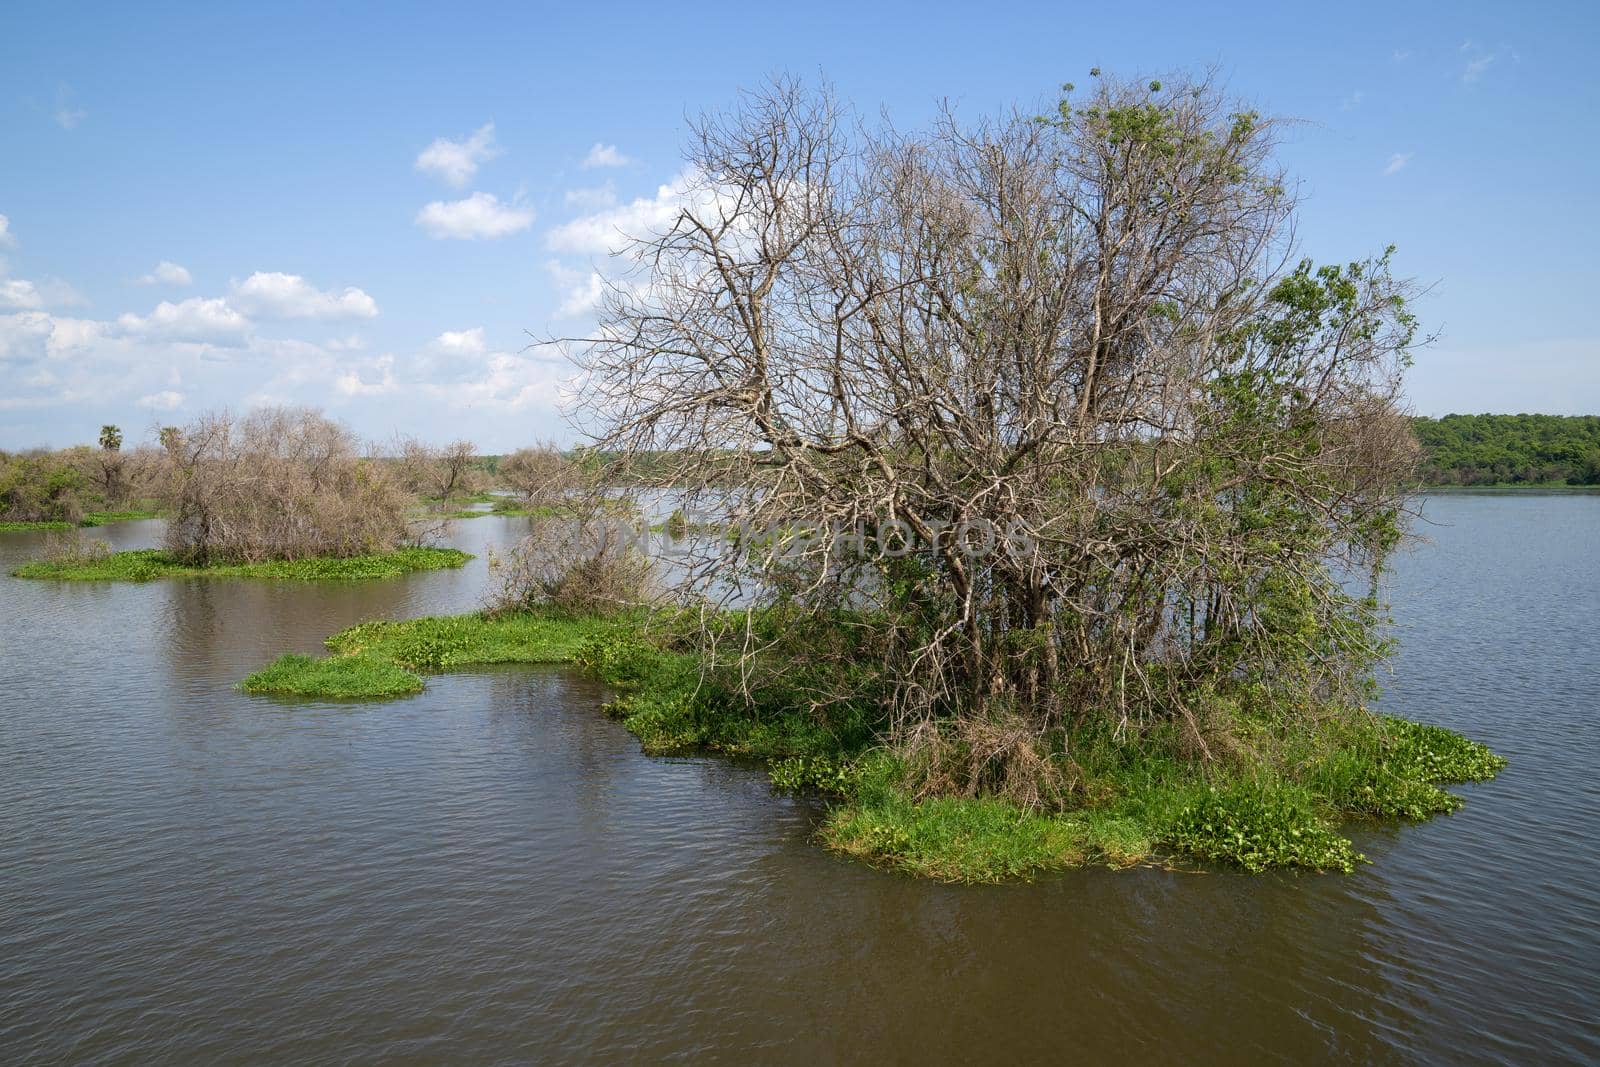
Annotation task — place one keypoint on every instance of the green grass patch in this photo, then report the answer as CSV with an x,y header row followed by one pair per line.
x,y
1274,794
334,677
103,518
380,659
90,518
450,642
142,565
10,527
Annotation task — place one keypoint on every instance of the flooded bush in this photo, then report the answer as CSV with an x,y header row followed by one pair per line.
x,y
442,474
71,547
541,476
278,483
585,561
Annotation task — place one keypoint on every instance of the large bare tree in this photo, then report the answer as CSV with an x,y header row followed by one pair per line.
x,y
1112,446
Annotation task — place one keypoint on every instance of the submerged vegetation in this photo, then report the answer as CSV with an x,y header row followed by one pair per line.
x,y
1277,800
84,564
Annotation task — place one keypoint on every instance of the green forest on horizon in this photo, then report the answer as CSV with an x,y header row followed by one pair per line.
x,y
1509,449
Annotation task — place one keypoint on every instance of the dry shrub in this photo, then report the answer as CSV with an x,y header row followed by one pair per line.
x,y
438,473
585,563
998,754
278,483
70,546
540,476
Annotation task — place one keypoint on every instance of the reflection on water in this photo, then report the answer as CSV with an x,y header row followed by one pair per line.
x,y
491,870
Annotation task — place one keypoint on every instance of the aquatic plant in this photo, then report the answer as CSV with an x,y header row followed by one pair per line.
x,y
142,565
1278,799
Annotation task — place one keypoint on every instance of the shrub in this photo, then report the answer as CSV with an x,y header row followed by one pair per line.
x,y
584,562
541,476
279,483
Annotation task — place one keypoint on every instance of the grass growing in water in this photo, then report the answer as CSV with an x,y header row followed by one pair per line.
x,y
381,659
142,565
1277,799
105,518
11,527
90,518
340,678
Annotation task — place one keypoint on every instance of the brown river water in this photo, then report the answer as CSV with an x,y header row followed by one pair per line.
x,y
491,871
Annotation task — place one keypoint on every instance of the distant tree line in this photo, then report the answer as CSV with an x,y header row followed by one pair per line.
x,y
1510,449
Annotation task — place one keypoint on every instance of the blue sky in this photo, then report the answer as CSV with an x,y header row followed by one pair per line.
x,y
368,208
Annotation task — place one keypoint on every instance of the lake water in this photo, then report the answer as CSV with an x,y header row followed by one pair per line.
x,y
491,871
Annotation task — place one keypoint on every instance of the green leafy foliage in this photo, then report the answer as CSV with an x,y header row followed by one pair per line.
x,y
1258,826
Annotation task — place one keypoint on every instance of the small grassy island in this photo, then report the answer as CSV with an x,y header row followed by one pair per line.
x,y
1279,801
142,565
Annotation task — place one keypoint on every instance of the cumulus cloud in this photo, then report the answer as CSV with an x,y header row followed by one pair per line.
x,y
479,216
1397,162
273,295
7,238
25,335
505,383
604,155
581,289
165,400
461,342
593,198
167,273
457,161
603,232
351,383
18,293
196,321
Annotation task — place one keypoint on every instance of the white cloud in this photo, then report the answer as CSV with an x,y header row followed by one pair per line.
x,y
604,155
506,383
351,383
1400,55
583,299
1480,59
25,336
165,400
1397,162
604,232
1353,101
593,198
582,289
462,342
7,238
480,215
167,273
270,294
196,321
457,161
18,293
